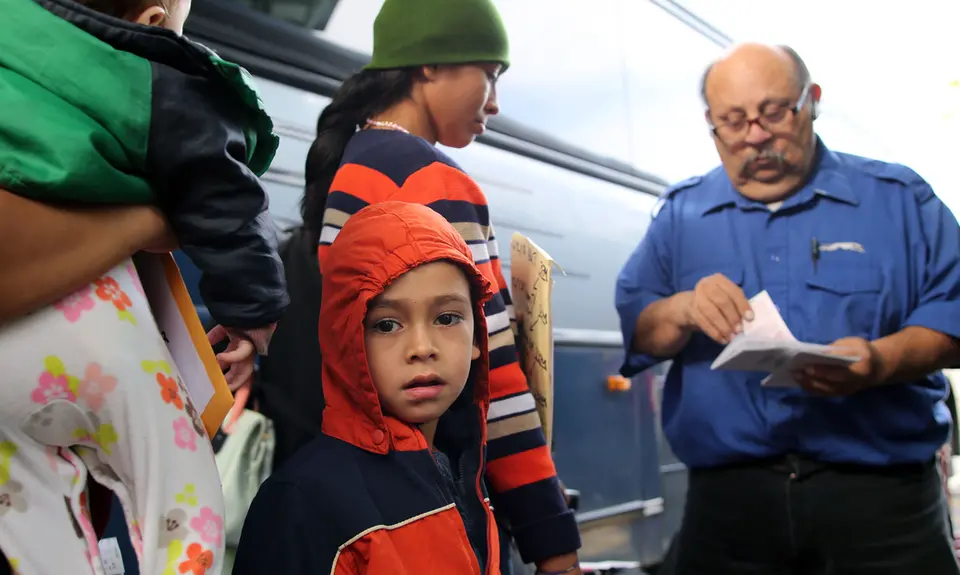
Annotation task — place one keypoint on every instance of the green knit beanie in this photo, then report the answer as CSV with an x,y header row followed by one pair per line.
x,y
411,33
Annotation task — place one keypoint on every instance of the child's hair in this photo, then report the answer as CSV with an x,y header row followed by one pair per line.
x,y
125,9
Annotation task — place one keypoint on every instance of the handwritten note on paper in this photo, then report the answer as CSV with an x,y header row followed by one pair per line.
x,y
531,284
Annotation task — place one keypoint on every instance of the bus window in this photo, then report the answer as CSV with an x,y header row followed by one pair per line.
x,y
666,59
566,75
311,14
620,78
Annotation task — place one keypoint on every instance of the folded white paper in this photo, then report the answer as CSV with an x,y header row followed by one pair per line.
x,y
766,345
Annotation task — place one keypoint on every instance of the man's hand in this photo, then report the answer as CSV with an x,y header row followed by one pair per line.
x,y
837,380
238,358
718,308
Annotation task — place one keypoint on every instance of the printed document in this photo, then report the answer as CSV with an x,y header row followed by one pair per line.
x,y
766,345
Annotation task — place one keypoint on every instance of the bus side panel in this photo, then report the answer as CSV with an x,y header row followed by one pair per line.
x,y
673,474
606,446
600,434
606,442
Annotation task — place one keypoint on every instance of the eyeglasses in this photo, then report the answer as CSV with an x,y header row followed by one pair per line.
x,y
774,115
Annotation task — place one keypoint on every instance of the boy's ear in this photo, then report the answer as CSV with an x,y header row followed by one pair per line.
x,y
476,352
152,16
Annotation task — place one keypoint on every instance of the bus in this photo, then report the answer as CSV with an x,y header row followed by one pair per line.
x,y
591,94
601,111
578,196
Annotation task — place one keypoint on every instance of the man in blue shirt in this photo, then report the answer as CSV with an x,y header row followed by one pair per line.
x,y
836,475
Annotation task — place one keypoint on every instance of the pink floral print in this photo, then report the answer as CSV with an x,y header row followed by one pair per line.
x,y
184,435
209,525
87,530
50,387
136,540
53,457
88,390
95,386
109,290
90,558
75,304
135,278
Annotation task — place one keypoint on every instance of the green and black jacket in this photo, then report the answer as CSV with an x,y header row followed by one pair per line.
x,y
96,110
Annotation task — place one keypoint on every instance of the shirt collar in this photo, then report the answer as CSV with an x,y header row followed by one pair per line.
x,y
828,180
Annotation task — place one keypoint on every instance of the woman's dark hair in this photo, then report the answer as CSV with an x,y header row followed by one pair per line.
x,y
360,97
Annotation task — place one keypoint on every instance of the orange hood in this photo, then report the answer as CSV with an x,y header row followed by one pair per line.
x,y
376,246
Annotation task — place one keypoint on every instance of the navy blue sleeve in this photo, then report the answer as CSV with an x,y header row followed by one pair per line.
x,y
646,278
939,303
197,158
281,534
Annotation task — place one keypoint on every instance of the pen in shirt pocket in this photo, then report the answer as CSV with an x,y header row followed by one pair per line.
x,y
815,253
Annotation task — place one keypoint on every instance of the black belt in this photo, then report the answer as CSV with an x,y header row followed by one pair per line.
x,y
800,466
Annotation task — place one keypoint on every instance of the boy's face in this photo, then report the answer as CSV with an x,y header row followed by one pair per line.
x,y
420,341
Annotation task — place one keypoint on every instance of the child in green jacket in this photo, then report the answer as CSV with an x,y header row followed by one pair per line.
x,y
108,104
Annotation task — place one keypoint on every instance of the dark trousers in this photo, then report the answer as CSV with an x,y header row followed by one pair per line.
x,y
797,517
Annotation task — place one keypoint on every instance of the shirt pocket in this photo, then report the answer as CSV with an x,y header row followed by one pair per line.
x,y
845,298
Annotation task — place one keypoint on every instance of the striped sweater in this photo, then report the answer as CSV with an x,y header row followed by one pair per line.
x,y
381,165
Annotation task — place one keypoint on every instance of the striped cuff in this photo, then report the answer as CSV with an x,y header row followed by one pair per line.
x,y
541,523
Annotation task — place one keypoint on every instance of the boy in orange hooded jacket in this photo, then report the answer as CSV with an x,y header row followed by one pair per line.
x,y
394,484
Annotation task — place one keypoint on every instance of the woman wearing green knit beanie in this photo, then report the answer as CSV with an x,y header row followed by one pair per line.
x,y
432,80
433,73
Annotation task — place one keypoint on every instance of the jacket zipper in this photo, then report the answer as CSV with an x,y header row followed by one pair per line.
x,y
438,481
487,517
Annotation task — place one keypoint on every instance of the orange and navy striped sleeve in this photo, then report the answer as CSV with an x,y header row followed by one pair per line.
x,y
381,165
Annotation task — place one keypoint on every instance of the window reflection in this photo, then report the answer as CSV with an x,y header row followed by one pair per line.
x,y
666,60
620,78
566,76
312,14
616,77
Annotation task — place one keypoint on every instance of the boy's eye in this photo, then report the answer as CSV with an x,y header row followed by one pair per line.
x,y
447,319
386,326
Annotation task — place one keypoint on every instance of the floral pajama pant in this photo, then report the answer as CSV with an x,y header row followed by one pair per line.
x,y
88,388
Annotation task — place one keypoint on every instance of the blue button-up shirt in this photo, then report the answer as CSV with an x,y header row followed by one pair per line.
x,y
906,274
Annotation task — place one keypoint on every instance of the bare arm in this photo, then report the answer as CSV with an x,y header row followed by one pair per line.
x,y
663,328
658,315
716,307
930,338
48,252
914,352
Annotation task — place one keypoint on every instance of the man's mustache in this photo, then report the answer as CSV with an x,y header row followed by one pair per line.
x,y
750,165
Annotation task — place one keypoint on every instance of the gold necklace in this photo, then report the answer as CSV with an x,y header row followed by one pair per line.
x,y
387,126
